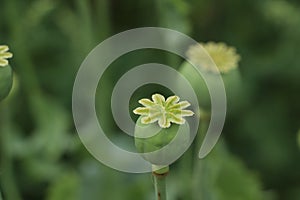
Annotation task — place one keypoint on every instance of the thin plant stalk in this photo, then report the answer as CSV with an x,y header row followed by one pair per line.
x,y
160,187
8,183
200,170
160,184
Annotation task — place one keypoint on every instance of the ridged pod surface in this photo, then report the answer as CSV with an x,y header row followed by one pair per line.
x,y
6,79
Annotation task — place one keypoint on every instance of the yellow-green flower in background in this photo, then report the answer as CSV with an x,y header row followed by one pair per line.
x,y
225,57
4,55
165,111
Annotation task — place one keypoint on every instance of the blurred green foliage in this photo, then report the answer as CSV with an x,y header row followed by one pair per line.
x,y
41,155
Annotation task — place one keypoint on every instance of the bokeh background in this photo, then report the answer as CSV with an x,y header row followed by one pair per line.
x,y
42,157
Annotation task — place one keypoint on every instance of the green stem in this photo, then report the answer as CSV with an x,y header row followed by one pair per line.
x,y
159,175
201,171
8,183
160,186
84,9
20,49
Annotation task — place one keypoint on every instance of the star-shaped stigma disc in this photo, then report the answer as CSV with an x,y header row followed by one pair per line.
x,y
165,111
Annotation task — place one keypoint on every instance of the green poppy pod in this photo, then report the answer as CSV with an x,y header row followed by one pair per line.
x,y
159,145
6,80
232,82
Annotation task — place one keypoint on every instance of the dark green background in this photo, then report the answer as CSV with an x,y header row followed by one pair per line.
x,y
41,156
